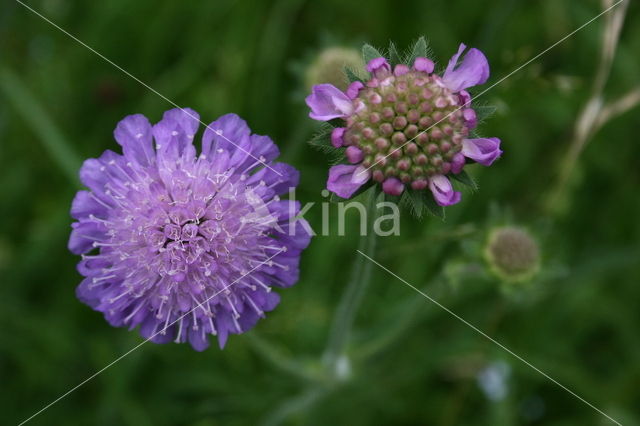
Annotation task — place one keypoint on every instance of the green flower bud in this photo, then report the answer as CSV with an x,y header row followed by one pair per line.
x,y
329,65
512,254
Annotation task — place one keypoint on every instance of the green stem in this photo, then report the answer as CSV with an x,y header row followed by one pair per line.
x,y
406,317
352,297
279,359
28,106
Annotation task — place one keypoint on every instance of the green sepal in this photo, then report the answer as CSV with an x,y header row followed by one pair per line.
x,y
419,202
351,75
369,52
394,57
484,111
464,178
433,207
322,138
420,49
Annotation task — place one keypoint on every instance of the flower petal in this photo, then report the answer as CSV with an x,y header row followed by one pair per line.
x,y
328,102
482,150
336,136
379,67
354,154
473,70
457,163
228,133
344,180
443,191
354,89
470,118
392,186
133,133
424,64
174,134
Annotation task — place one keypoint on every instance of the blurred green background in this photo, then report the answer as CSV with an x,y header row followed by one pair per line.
x,y
410,363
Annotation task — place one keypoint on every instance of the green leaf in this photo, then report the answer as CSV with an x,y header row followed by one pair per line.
x,y
394,56
351,75
369,52
464,178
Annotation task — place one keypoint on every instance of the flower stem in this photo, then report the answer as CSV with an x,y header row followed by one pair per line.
x,y
34,113
352,297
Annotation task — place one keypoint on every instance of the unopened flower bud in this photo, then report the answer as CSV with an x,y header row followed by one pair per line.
x,y
512,254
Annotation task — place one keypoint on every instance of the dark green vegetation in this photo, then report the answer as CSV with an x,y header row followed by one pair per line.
x,y
411,363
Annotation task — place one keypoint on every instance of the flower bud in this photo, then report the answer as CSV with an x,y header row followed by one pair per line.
x,y
329,65
512,254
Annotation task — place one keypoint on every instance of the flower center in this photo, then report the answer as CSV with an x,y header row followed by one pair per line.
x,y
408,126
190,228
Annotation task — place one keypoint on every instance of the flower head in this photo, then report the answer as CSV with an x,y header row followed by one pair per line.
x,y
186,245
406,127
512,254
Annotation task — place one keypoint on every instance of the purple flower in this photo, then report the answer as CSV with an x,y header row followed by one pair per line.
x,y
406,127
328,102
185,245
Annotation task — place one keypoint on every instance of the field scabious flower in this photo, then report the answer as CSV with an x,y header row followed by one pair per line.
x,y
406,127
185,245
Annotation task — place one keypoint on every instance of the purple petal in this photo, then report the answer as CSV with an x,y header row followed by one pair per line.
x,y
473,70
344,180
379,67
263,151
229,133
457,163
84,205
400,69
443,191
328,102
198,338
392,186
424,64
354,89
336,136
470,118
133,133
465,98
354,154
83,236
174,133
483,150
